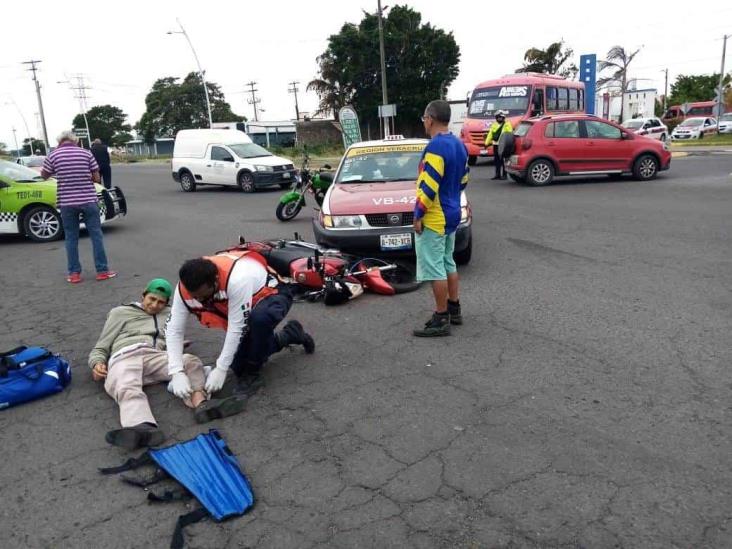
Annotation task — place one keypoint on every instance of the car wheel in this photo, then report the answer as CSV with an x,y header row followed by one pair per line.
x,y
472,160
246,182
517,178
42,224
663,138
463,256
701,135
187,183
645,168
540,172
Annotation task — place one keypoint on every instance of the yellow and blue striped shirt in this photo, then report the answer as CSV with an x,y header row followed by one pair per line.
x,y
443,174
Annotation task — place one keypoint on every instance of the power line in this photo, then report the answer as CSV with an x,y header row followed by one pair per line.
x,y
294,89
80,93
33,69
254,101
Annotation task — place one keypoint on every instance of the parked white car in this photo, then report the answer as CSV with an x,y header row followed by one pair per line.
x,y
650,127
725,123
694,128
227,157
34,162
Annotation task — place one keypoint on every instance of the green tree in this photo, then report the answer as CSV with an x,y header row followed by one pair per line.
x,y
121,138
618,60
555,59
105,121
696,87
173,105
38,145
421,61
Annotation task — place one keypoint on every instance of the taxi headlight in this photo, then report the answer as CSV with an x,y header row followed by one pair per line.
x,y
261,168
347,221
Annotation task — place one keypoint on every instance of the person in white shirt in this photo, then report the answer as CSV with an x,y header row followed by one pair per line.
x,y
233,291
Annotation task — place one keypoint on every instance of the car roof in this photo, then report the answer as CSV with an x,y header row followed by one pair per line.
x,y
389,142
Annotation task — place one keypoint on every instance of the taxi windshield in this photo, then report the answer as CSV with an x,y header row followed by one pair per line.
x,y
486,101
18,173
692,122
381,164
633,124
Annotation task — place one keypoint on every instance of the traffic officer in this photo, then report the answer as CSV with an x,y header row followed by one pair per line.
x,y
236,292
498,127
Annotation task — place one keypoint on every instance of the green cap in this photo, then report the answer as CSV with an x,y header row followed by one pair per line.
x,y
159,286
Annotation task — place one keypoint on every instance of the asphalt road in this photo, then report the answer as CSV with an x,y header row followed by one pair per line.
x,y
585,402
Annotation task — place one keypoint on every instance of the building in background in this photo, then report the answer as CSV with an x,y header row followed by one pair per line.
x,y
280,133
162,146
638,102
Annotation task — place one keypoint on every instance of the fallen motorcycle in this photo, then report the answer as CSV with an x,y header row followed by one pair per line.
x,y
313,182
335,277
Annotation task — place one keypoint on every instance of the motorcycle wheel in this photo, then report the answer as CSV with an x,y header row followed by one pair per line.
x,y
402,279
288,211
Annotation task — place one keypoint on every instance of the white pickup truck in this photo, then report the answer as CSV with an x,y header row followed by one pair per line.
x,y
227,157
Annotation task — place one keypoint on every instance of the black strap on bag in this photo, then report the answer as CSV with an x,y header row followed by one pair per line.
x,y
185,520
145,482
169,495
6,363
129,465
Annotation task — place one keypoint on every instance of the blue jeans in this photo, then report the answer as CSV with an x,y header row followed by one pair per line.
x,y
70,216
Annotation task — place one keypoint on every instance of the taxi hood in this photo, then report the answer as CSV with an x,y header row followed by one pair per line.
x,y
369,198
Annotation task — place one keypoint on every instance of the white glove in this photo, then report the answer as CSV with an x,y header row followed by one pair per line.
x,y
180,386
215,380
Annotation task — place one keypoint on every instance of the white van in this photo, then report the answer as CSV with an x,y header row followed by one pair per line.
x,y
227,157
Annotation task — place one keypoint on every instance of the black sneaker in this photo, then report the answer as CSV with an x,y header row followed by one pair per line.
x,y
218,408
248,385
293,333
139,436
453,310
438,325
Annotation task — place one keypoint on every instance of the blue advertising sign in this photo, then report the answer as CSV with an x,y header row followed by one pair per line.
x,y
588,75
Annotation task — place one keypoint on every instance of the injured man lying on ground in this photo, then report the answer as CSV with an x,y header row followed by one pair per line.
x,y
131,353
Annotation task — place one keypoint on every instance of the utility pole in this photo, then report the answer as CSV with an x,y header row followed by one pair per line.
x,y
33,69
384,95
665,91
80,90
720,103
294,89
201,72
254,100
15,138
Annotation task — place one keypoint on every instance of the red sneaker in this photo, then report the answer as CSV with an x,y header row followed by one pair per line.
x,y
74,278
106,275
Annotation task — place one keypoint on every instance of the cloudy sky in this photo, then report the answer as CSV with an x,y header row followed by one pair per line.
x,y
121,48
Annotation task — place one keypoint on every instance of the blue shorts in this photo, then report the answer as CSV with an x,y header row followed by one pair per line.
x,y
434,255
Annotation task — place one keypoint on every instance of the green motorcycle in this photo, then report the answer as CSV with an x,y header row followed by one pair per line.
x,y
316,182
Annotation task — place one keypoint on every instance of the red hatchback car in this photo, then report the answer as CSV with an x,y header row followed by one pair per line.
x,y
582,144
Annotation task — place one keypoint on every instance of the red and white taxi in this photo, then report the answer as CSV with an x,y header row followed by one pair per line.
x,y
369,208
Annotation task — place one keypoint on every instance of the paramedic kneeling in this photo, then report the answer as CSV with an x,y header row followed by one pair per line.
x,y
234,291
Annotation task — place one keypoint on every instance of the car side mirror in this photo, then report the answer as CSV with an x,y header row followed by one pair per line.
x,y
327,166
624,135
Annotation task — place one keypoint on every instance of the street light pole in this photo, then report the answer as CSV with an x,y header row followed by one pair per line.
x,y
665,91
384,96
15,138
25,123
200,70
721,80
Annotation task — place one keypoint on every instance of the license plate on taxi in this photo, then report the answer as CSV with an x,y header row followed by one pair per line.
x,y
396,241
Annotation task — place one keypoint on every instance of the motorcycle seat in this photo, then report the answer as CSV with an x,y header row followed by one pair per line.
x,y
281,258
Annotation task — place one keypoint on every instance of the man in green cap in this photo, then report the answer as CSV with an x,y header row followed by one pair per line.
x,y
131,353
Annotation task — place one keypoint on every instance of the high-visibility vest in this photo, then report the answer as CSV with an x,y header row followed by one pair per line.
x,y
215,313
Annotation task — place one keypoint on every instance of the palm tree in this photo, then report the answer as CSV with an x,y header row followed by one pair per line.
x,y
618,60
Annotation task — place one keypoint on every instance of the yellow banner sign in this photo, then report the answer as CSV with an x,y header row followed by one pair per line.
x,y
359,151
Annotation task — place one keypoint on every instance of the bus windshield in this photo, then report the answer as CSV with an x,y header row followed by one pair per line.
x,y
486,101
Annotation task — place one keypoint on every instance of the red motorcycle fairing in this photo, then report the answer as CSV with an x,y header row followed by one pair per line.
x,y
310,276
373,281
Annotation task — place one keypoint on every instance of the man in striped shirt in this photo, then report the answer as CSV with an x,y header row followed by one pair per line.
x,y
76,171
